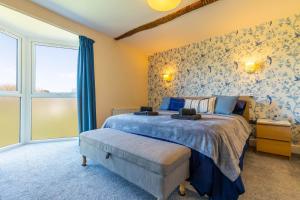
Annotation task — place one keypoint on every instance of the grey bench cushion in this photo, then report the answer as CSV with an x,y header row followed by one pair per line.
x,y
154,155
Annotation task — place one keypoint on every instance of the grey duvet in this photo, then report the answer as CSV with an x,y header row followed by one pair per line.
x,y
218,137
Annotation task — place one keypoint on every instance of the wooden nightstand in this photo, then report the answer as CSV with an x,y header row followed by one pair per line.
x,y
273,137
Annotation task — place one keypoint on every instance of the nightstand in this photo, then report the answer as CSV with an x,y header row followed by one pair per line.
x,y
273,137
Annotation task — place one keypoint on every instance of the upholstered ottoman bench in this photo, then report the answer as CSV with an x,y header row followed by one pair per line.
x,y
156,166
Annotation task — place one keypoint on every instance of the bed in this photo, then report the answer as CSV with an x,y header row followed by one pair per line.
x,y
218,144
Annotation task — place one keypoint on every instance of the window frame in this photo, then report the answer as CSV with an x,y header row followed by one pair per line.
x,y
18,92
24,82
33,70
20,83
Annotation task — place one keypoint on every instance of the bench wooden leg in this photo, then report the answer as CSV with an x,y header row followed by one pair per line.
x,y
182,189
83,161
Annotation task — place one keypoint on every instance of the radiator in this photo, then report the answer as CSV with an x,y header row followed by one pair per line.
x,y
118,111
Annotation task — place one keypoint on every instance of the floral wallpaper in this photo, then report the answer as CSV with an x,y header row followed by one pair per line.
x,y
216,67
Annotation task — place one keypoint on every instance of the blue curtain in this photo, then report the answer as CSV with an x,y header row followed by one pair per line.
x,y
86,86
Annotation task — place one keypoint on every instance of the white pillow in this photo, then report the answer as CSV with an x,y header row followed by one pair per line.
x,y
195,104
187,103
211,105
203,106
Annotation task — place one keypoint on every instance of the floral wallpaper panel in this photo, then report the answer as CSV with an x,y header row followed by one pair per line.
x,y
216,67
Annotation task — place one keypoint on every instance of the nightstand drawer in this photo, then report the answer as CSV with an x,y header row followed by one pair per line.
x,y
273,132
273,146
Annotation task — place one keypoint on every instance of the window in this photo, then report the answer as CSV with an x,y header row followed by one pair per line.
x,y
55,69
54,118
53,102
9,62
37,88
9,90
9,120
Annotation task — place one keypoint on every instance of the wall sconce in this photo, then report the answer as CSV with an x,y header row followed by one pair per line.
x,y
167,77
251,67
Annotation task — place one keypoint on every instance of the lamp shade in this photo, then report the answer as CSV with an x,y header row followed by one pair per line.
x,y
251,67
163,5
167,77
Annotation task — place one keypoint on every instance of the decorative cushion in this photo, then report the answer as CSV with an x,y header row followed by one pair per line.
x,y
225,104
211,105
192,103
187,103
195,104
203,106
165,103
176,103
239,107
207,105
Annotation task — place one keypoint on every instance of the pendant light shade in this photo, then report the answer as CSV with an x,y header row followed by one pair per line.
x,y
163,5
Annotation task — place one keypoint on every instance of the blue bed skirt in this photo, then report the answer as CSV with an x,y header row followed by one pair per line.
x,y
208,179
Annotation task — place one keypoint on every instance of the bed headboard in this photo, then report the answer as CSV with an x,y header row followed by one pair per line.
x,y
248,99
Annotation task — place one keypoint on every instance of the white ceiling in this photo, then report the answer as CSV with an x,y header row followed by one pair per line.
x,y
23,25
115,17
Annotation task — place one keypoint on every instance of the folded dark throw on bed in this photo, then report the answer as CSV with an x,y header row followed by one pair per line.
x,y
186,111
186,117
146,108
147,113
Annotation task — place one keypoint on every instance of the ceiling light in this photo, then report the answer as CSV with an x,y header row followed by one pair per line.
x,y
163,5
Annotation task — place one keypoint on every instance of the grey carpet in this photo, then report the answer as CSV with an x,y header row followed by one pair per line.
x,y
53,171
271,177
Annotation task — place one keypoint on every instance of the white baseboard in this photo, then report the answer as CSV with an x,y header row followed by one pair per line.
x,y
52,140
295,147
10,147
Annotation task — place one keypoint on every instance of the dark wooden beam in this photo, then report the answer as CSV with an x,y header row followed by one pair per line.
x,y
167,18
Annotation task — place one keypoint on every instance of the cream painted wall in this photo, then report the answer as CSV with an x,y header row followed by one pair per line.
x,y
216,19
120,70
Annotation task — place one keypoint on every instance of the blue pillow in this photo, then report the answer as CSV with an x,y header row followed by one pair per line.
x,y
176,103
225,104
239,107
165,104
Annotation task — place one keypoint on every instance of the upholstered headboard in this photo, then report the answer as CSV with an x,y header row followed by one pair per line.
x,y
248,99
